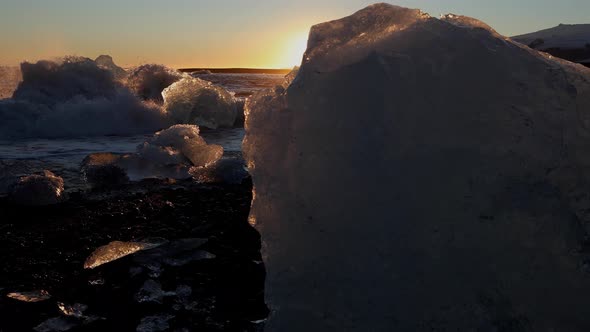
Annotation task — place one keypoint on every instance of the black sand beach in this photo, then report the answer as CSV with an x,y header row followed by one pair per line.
x,y
44,248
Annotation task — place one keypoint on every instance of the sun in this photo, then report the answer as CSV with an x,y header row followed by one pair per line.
x,y
295,46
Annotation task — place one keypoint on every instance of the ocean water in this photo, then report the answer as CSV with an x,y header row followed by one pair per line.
x,y
63,156
243,85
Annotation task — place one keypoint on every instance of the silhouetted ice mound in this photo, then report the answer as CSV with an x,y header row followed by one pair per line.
x,y
45,188
106,62
196,101
423,174
104,170
75,97
148,81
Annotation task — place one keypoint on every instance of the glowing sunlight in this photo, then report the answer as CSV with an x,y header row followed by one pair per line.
x,y
292,53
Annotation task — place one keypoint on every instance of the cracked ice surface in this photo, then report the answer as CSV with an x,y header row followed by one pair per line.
x,y
422,174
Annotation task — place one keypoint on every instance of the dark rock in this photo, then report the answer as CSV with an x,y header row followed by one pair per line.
x,y
204,278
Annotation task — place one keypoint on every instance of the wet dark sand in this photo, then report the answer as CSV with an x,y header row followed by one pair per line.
x,y
45,248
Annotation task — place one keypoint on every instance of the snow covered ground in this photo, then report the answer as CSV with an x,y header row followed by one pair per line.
x,y
567,36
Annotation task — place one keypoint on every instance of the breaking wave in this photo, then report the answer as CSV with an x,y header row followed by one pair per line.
x,y
76,96
148,81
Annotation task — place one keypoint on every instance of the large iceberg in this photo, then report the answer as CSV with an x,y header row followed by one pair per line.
x,y
423,174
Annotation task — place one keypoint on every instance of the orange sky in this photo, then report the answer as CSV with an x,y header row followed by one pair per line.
x,y
222,33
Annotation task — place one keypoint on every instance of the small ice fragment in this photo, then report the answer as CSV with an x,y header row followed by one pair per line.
x,y
116,250
32,297
184,291
72,310
96,282
154,323
57,324
151,291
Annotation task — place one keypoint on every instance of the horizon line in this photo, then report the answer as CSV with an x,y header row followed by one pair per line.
x,y
236,69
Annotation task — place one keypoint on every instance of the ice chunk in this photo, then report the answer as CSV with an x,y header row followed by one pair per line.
x,y
72,310
174,152
225,170
181,143
195,101
422,174
34,296
104,170
148,81
106,62
116,250
151,291
45,188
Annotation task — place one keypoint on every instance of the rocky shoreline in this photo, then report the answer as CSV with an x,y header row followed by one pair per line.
x,y
206,275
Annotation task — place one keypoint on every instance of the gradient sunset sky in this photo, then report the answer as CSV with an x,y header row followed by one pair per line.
x,y
223,33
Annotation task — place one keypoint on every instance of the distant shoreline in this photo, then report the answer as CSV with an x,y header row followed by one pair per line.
x,y
238,70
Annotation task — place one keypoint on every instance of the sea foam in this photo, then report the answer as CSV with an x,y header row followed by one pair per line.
x,y
76,97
